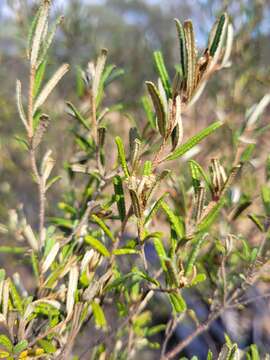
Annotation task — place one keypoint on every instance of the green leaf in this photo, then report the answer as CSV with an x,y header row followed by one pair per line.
x,y
217,34
254,352
247,153
176,221
97,245
162,71
99,316
12,250
193,255
21,346
182,47
256,220
39,77
80,85
160,252
4,341
125,251
2,275
35,265
114,74
155,208
147,106
208,219
159,107
103,226
195,175
147,168
209,355
172,277
52,181
197,172
61,222
67,208
76,113
49,39
194,141
191,57
265,193
122,155
177,302
4,354
120,197
47,346
198,279
22,141
102,83
145,276
155,329
15,297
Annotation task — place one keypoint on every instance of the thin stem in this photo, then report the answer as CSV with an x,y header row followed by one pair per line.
x,y
224,278
199,330
93,116
171,326
157,157
30,101
34,167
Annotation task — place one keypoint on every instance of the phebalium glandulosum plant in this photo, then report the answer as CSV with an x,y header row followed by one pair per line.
x,y
104,267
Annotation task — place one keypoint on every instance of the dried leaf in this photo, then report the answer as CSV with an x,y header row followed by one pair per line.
x,y
50,257
38,32
72,287
48,88
159,107
191,57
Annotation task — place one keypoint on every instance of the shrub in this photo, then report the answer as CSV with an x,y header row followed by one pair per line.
x,y
94,267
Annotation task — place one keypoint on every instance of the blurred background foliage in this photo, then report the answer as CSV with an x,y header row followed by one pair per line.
x,y
131,30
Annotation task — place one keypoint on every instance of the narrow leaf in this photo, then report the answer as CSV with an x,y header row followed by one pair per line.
x,y
97,245
177,302
20,105
182,46
194,141
50,257
103,226
159,107
147,106
217,35
121,155
38,32
72,287
175,221
21,346
99,315
48,88
120,198
76,113
193,255
162,72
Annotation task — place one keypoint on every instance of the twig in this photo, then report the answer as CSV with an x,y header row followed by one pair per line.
x,y
171,325
200,329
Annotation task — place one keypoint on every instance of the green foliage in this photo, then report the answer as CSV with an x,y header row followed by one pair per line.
x,y
196,139
90,260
